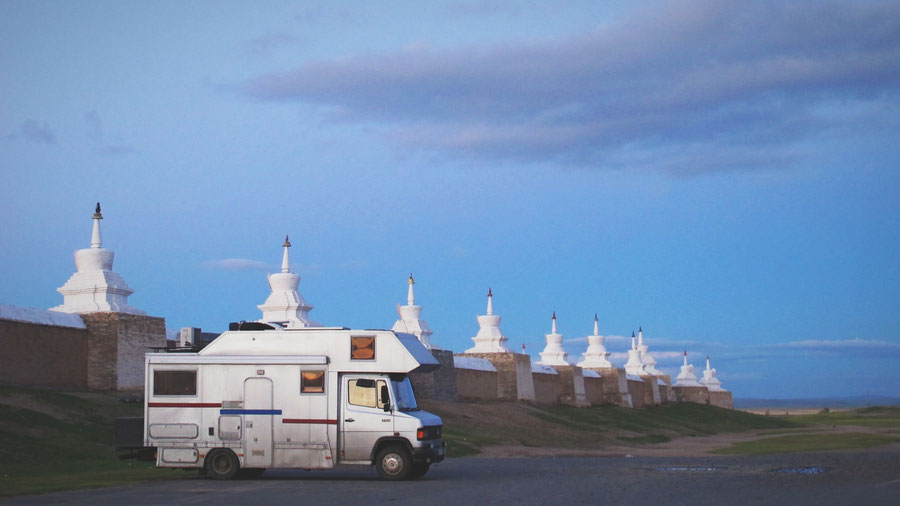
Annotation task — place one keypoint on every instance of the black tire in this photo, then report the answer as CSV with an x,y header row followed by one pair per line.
x,y
250,473
222,464
419,469
393,463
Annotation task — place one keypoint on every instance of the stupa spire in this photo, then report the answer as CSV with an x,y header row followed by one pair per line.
x,y
489,338
553,353
286,258
596,356
712,383
633,344
285,306
96,238
640,336
686,378
411,321
95,287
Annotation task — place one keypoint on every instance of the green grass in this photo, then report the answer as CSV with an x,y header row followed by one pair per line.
x,y
808,443
470,427
866,417
52,440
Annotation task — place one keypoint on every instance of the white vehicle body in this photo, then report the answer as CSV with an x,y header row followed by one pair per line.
x,y
306,398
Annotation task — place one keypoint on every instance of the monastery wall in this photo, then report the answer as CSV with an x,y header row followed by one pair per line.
x,y
440,384
42,355
636,391
514,379
476,385
594,390
571,380
548,388
697,395
116,346
721,399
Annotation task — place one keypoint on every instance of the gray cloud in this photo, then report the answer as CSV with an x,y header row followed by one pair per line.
x,y
687,87
36,132
240,264
94,125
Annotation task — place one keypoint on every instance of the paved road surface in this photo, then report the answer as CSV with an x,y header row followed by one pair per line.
x,y
855,478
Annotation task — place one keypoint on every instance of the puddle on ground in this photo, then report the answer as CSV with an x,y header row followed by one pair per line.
x,y
690,469
800,470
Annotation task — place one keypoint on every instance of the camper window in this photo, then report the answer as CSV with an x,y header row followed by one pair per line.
x,y
174,382
312,382
362,347
364,392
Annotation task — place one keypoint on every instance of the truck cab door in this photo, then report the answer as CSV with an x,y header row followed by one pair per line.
x,y
364,418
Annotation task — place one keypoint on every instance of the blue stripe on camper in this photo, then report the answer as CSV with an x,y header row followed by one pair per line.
x,y
249,411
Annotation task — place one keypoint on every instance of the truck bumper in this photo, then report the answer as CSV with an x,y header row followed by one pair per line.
x,y
432,454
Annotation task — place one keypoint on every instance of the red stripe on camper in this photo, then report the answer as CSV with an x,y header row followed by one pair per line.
x,y
184,404
321,421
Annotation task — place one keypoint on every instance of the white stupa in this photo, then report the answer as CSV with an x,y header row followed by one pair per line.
x,y
410,321
635,365
709,379
553,353
596,355
649,362
285,306
95,287
686,378
489,338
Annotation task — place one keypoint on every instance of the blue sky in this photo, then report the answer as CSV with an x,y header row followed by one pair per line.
x,y
723,174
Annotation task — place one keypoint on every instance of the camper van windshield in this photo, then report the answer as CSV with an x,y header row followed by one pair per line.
x,y
406,400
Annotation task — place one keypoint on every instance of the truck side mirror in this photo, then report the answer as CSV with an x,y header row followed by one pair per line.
x,y
385,398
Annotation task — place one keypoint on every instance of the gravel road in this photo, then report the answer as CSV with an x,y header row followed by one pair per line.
x,y
865,477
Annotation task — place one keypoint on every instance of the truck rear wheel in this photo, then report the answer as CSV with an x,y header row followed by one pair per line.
x,y
393,463
222,464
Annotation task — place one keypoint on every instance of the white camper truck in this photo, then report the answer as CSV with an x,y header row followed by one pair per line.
x,y
307,398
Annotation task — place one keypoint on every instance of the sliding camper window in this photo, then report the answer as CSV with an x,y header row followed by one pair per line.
x,y
364,392
362,347
312,382
174,382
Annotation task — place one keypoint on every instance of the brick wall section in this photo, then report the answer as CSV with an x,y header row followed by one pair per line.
x,y
651,391
548,388
593,390
636,390
665,391
721,399
615,387
116,346
136,336
697,395
514,379
42,355
476,385
572,382
439,384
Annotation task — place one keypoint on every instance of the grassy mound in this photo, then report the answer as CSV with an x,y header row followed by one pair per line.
x,y
472,426
808,443
53,440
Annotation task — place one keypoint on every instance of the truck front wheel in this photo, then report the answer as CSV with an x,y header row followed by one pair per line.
x,y
419,469
222,464
393,463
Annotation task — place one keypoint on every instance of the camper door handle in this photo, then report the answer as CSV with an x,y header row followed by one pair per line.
x,y
349,420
